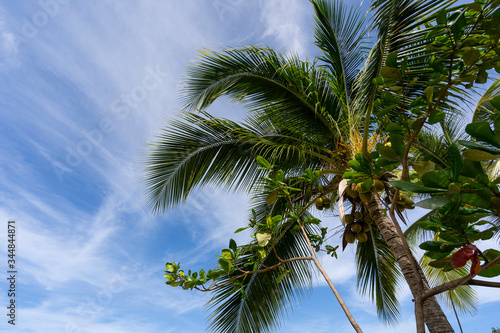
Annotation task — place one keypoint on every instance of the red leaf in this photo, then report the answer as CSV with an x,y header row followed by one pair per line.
x,y
460,258
475,267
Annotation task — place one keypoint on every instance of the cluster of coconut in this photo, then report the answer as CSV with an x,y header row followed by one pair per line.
x,y
404,202
357,227
323,202
356,190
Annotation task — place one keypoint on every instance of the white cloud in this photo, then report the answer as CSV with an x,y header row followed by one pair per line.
x,y
285,21
9,45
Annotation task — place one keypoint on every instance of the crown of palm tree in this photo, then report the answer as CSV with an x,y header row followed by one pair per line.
x,y
301,115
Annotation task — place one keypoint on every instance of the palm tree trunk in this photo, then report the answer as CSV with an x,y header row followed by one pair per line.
x,y
434,317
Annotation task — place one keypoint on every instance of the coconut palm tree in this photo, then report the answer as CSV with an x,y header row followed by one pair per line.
x,y
301,115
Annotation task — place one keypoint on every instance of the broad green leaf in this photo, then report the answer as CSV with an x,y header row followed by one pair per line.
x,y
392,60
227,254
451,236
391,73
423,167
428,225
491,254
404,185
439,68
474,145
472,169
467,219
496,102
404,66
171,267
169,277
482,77
280,277
471,56
232,245
434,202
441,17
386,95
457,27
474,199
478,155
384,111
436,179
429,94
483,235
355,165
455,160
224,264
367,184
475,7
440,263
263,162
272,197
436,255
431,245
435,117
393,128
173,283
263,238
397,144
388,153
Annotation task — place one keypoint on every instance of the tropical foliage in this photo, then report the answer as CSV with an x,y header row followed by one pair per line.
x,y
367,129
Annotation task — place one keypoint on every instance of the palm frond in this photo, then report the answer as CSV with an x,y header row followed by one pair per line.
x,y
414,234
260,77
398,24
267,302
464,297
432,145
200,149
340,33
378,275
484,109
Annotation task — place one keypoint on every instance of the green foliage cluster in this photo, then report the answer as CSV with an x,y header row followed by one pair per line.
x,y
298,151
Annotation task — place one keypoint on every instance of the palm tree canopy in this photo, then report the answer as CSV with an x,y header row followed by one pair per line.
x,y
301,114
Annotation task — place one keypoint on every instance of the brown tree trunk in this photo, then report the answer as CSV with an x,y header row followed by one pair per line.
x,y
434,317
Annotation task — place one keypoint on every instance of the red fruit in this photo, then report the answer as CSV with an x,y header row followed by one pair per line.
x,y
475,267
460,258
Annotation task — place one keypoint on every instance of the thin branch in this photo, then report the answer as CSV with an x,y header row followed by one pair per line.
x,y
281,263
330,283
484,283
461,281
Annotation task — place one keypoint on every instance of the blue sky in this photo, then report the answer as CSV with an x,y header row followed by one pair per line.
x,y
85,86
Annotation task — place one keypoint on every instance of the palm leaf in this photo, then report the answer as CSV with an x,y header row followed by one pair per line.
x,y
378,275
340,33
261,77
464,297
200,149
484,108
266,302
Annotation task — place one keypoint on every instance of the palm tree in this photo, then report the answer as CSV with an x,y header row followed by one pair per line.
x,y
301,114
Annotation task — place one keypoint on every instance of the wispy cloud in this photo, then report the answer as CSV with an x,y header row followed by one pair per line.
x,y
284,21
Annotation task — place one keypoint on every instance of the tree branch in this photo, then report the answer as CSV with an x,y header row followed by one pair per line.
x,y
459,282
484,283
